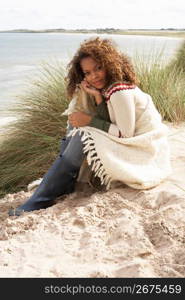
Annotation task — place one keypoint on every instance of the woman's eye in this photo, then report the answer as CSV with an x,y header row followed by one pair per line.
x,y
99,68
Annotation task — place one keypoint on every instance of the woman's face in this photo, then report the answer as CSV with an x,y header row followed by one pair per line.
x,y
93,72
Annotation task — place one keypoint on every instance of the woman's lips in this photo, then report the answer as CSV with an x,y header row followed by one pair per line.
x,y
98,82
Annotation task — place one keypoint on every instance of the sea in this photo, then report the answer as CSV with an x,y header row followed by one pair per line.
x,y
22,54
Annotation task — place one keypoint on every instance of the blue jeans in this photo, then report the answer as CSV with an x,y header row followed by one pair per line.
x,y
60,178
71,148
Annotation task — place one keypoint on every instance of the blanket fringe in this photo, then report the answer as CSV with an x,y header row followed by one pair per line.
x,y
92,158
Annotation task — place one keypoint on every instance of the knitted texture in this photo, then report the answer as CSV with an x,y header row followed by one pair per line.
x,y
141,161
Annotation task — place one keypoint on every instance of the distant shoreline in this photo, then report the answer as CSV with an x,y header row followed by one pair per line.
x,y
178,33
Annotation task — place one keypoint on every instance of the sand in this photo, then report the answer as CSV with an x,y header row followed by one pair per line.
x,y
117,233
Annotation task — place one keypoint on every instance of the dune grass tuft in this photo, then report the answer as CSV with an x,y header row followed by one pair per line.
x,y
179,60
33,140
165,83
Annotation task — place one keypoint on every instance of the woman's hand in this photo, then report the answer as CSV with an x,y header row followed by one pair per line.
x,y
89,88
79,119
92,91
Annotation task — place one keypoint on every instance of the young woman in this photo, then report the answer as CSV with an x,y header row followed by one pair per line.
x,y
112,125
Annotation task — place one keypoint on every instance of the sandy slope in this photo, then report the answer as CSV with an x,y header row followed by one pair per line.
x,y
119,233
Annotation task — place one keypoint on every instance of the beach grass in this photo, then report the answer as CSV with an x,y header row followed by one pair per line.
x,y
31,143
179,60
165,83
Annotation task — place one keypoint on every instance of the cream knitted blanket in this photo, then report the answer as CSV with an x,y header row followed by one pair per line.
x,y
141,161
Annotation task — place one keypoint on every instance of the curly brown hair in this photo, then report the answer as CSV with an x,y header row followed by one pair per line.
x,y
104,51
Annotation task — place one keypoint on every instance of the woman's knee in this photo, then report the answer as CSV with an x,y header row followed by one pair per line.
x,y
74,150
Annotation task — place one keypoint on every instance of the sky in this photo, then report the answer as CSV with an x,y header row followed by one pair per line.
x,y
91,14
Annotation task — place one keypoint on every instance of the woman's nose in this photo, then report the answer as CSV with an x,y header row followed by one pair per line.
x,y
93,75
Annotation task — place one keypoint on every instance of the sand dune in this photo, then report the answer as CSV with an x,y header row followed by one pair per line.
x,y
119,233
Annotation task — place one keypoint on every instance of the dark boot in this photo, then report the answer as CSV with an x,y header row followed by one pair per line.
x,y
59,180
